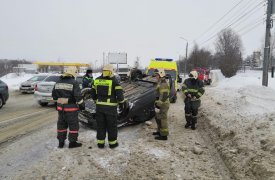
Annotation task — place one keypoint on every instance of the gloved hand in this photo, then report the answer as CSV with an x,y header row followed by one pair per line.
x,y
121,106
82,106
157,105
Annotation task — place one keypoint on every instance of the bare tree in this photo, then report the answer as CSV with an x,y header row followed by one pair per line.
x,y
200,58
228,50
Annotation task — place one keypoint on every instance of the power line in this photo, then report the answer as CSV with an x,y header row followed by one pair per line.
x,y
252,28
250,12
261,19
219,20
232,23
242,9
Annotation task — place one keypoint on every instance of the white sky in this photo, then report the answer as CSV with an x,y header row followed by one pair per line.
x,y
81,30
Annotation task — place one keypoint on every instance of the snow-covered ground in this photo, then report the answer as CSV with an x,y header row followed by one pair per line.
x,y
240,114
13,80
237,113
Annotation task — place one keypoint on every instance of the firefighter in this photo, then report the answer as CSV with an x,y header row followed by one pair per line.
x,y
107,93
66,92
193,89
88,79
162,103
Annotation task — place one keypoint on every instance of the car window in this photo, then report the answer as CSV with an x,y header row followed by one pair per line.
x,y
52,78
37,78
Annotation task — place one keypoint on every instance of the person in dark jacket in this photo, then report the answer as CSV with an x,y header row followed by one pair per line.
x,y
193,89
66,92
88,79
107,93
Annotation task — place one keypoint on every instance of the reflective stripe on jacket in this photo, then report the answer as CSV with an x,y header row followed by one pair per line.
x,y
194,87
106,91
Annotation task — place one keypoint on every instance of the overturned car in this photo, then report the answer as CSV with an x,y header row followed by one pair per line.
x,y
141,97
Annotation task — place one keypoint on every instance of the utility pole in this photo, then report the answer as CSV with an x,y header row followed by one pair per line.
x,y
185,64
186,54
267,43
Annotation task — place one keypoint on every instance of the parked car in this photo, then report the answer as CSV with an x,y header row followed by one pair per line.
x,y
43,90
141,97
4,93
79,79
29,85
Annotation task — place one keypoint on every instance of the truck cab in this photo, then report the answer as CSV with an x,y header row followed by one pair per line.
x,y
204,75
123,71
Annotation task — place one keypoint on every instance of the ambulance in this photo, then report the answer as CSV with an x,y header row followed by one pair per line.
x,y
171,71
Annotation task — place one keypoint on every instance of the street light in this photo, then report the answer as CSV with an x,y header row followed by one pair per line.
x,y
185,63
95,65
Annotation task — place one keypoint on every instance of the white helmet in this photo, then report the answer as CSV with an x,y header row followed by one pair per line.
x,y
71,71
160,72
193,74
108,67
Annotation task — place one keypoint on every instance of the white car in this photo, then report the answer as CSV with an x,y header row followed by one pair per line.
x,y
43,90
29,85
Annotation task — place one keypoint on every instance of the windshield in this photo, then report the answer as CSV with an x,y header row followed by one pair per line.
x,y
172,73
52,78
37,78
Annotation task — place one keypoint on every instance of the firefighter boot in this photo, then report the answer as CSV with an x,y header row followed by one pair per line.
x,y
112,146
193,124
100,146
163,138
156,133
187,124
74,145
61,144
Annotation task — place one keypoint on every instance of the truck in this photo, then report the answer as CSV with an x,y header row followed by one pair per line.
x,y
171,72
123,70
204,75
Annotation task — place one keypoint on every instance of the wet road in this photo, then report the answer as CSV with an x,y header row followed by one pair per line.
x,y
22,115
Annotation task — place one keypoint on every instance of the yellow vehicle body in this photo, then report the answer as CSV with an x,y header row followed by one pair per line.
x,y
170,67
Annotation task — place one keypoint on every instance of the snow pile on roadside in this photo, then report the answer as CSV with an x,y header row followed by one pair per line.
x,y
13,80
241,116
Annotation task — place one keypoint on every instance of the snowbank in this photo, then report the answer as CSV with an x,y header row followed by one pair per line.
x,y
240,114
13,80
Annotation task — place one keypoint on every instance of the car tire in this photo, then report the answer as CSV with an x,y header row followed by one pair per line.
x,y
1,102
43,104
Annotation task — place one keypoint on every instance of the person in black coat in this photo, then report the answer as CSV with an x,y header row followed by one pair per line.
x,y
66,92
193,89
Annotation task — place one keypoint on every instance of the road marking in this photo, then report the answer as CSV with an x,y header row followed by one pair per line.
x,y
27,115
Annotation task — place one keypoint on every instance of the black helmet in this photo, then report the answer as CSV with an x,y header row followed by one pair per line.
x,y
89,70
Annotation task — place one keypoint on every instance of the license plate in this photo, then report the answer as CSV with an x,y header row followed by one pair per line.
x,y
48,98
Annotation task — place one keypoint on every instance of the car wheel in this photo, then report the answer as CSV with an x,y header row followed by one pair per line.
x,y
43,104
1,102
